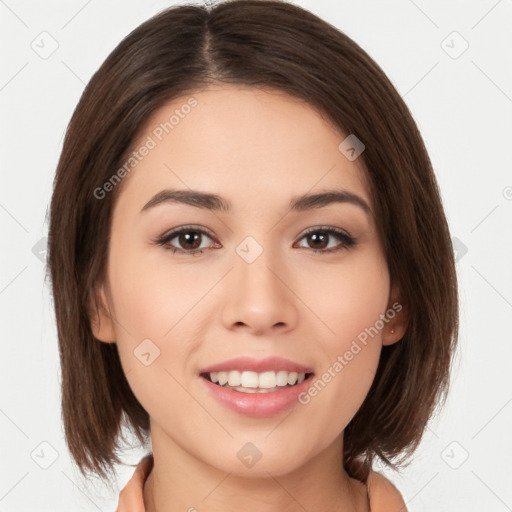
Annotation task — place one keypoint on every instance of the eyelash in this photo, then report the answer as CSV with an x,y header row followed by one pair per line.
x,y
347,240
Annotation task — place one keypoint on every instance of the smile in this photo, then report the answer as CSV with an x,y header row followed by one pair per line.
x,y
256,387
254,382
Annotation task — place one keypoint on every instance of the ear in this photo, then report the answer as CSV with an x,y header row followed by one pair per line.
x,y
397,318
102,322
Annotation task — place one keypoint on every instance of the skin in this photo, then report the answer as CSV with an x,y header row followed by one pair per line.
x,y
257,149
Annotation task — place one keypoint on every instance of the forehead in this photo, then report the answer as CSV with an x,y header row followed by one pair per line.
x,y
240,142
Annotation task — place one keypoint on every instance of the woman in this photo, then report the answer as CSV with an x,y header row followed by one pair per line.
x,y
309,327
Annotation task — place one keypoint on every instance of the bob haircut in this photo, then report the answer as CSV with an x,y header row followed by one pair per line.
x,y
268,45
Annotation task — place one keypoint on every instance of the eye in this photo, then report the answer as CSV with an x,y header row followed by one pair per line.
x,y
189,237
321,237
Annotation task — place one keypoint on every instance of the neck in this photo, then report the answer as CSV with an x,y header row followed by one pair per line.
x,y
179,481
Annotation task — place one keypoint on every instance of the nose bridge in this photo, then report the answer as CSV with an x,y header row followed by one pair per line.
x,y
257,265
257,294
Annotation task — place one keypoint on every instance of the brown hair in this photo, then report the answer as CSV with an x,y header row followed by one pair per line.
x,y
267,44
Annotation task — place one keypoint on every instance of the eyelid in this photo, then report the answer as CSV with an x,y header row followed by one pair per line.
x,y
314,229
188,227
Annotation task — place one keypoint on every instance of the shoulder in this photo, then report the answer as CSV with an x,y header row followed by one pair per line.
x,y
384,496
131,498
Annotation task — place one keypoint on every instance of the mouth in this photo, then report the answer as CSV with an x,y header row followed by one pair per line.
x,y
256,387
256,382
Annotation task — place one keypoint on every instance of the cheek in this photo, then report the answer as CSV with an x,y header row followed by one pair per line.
x,y
153,297
348,298
158,306
351,306
154,312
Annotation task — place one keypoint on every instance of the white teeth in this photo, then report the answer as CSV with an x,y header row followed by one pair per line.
x,y
249,380
267,380
282,378
252,380
234,378
292,378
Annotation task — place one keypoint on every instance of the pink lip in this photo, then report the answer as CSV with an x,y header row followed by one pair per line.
x,y
269,364
257,404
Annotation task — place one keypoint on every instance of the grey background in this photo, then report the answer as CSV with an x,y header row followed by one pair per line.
x,y
461,99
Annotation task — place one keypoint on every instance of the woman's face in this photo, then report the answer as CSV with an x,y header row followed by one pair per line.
x,y
257,290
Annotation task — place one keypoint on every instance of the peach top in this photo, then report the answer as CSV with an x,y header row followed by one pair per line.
x,y
383,495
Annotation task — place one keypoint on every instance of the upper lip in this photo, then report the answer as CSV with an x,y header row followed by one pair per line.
x,y
268,364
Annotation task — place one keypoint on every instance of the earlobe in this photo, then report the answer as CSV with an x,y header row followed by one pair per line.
x,y
393,333
102,323
397,316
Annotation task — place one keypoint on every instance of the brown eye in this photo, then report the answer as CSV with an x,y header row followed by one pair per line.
x,y
188,240
319,241
319,238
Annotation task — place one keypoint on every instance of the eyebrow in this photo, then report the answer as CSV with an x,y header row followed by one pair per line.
x,y
215,202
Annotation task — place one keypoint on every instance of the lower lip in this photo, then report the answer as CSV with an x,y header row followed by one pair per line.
x,y
257,404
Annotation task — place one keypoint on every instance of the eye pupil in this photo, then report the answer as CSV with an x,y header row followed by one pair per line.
x,y
184,238
322,238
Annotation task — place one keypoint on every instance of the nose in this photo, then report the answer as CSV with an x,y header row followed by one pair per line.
x,y
258,296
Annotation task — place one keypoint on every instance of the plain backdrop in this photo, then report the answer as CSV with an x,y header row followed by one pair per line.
x,y
452,64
